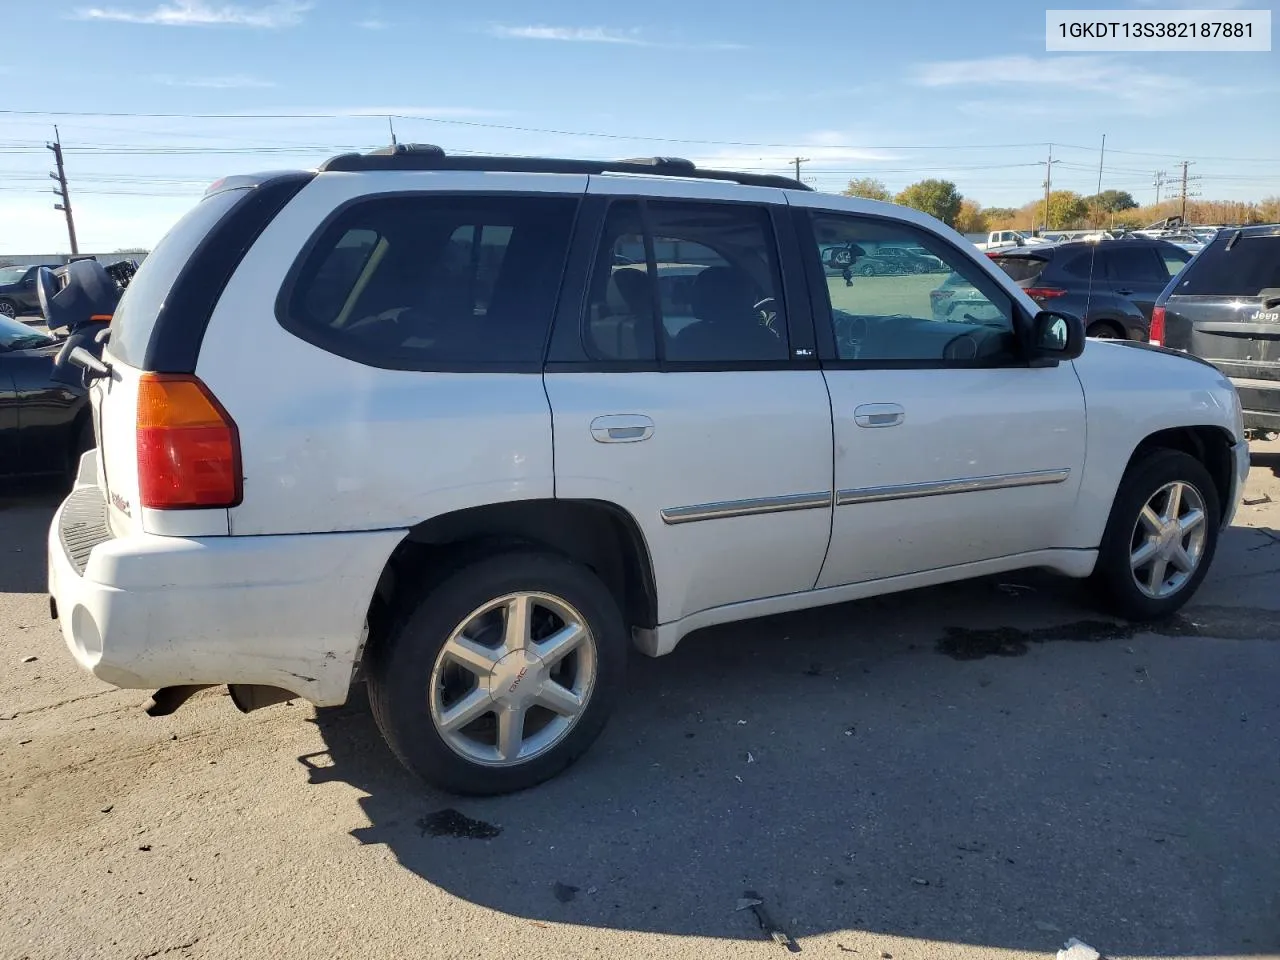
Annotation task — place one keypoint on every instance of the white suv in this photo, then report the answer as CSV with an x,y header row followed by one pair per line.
x,y
463,428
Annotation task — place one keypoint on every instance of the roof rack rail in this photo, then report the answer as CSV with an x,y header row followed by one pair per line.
x,y
427,156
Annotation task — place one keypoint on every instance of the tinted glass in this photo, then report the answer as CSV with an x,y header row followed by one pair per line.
x,y
415,282
718,293
1021,268
962,317
619,321
1133,264
135,315
1080,263
1249,267
16,335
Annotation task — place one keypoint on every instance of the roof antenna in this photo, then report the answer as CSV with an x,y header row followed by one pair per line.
x,y
392,127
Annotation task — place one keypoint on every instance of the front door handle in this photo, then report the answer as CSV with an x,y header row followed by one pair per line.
x,y
1124,292
879,414
622,428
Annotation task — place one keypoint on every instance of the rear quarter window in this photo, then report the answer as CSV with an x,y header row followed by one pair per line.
x,y
1250,266
432,282
136,313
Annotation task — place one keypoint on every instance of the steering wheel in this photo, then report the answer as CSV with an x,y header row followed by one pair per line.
x,y
767,308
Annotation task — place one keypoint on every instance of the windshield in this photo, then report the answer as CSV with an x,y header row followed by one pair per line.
x,y
15,335
12,274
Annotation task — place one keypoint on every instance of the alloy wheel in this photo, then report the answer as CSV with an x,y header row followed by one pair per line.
x,y
1168,540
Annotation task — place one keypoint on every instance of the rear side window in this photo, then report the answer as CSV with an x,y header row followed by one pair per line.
x,y
425,282
1080,264
1021,268
136,314
1134,264
1250,266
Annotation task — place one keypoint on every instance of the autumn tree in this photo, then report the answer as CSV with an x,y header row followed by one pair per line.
x,y
868,188
971,218
938,198
1066,208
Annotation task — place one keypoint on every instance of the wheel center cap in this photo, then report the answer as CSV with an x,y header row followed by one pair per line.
x,y
1168,537
516,678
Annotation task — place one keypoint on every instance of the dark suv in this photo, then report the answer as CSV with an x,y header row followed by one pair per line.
x,y
18,294
1127,276
1225,308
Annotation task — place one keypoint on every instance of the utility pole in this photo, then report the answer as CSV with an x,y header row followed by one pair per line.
x,y
1048,183
61,190
392,127
798,161
1101,156
1185,178
1158,182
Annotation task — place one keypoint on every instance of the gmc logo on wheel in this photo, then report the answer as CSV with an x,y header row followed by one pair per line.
x,y
519,676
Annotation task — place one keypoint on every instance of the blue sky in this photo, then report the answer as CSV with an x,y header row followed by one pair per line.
x,y
899,91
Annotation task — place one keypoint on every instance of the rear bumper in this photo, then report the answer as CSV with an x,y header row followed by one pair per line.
x,y
145,612
1261,402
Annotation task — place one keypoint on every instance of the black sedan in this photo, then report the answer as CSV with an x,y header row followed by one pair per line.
x,y
18,293
45,416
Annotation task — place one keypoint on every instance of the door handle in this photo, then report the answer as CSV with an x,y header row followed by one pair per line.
x,y
1123,292
622,428
879,414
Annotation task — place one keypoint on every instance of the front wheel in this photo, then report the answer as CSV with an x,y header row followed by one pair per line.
x,y
1160,537
502,675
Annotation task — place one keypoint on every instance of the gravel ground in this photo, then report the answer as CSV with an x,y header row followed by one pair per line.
x,y
981,770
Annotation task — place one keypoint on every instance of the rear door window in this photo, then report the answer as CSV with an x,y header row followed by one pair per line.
x,y
429,282
1134,265
1250,266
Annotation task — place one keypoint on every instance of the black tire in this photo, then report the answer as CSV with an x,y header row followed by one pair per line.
x,y
1105,329
399,678
1112,575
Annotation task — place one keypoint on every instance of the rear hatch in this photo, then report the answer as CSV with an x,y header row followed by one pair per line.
x,y
1225,305
157,329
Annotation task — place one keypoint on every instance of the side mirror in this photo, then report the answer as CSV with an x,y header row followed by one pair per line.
x,y
1054,337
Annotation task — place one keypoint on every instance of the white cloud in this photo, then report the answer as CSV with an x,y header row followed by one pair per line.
x,y
631,37
372,24
1110,84
199,13
237,81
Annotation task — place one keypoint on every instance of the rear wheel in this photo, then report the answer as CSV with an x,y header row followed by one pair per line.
x,y
1104,330
8,308
502,675
1160,537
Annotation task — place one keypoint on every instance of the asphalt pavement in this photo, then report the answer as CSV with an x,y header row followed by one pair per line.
x,y
980,770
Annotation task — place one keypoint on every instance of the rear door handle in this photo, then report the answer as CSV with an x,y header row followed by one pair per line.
x,y
622,428
879,414
1123,292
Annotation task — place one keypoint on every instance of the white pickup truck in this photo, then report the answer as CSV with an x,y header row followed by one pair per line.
x,y
999,239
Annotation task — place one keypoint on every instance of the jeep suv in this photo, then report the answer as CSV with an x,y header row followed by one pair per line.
x,y
463,428
1225,307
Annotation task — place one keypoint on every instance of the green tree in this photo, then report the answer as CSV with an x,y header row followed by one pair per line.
x,y
1066,208
1112,201
1000,213
867,187
938,198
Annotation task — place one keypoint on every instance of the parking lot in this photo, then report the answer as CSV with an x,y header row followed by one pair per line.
x,y
981,770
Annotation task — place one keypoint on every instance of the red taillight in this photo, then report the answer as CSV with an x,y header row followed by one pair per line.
x,y
188,446
1044,293
1156,333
